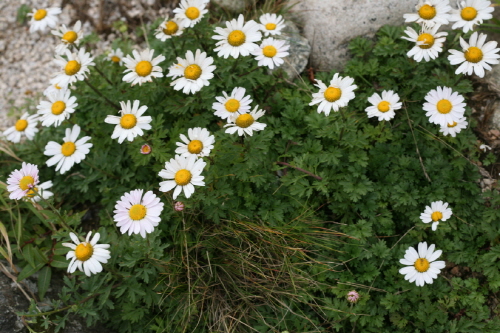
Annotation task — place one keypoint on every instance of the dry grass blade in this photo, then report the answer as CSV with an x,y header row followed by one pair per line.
x,y
240,269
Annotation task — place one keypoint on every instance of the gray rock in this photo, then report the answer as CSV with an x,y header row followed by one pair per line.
x,y
329,25
492,78
237,6
299,50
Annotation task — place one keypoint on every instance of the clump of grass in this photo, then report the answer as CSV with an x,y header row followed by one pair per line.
x,y
235,274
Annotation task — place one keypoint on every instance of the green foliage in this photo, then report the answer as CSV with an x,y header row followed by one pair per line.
x,y
291,218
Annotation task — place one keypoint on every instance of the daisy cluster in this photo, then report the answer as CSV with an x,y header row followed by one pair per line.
x,y
443,106
138,211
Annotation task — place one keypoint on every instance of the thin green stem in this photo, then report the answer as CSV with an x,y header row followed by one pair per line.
x,y
63,223
116,106
100,170
173,47
104,76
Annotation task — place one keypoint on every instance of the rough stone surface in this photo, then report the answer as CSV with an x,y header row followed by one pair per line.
x,y
299,50
237,6
492,78
330,25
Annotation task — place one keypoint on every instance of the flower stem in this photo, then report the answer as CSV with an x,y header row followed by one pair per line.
x,y
100,170
116,106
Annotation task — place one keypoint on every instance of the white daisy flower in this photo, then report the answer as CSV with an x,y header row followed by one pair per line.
x,y
116,56
68,36
41,19
21,181
142,67
422,267
26,126
75,68
87,256
336,95
428,43
471,13
130,124
169,28
60,106
53,88
193,72
237,38
271,52
183,173
484,147
271,24
237,102
199,142
138,214
383,107
245,123
444,106
190,12
35,192
437,212
476,55
430,12
70,152
454,128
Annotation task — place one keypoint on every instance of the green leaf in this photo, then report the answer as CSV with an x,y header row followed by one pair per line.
x,y
29,271
44,281
59,262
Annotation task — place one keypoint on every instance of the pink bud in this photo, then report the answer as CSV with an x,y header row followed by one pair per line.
x,y
146,149
179,206
352,296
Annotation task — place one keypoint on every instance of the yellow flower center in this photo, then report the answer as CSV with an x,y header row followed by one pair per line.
x,y
384,106
40,14
143,68
128,121
192,13
427,12
170,28
436,216
21,125
137,212
422,265
244,120
269,51
72,67
473,54
70,37
115,59
192,72
453,125
183,177
232,105
68,148
236,38
332,94
444,106
25,182
31,192
270,26
57,86
468,13
195,147
84,251
145,149
427,40
58,107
